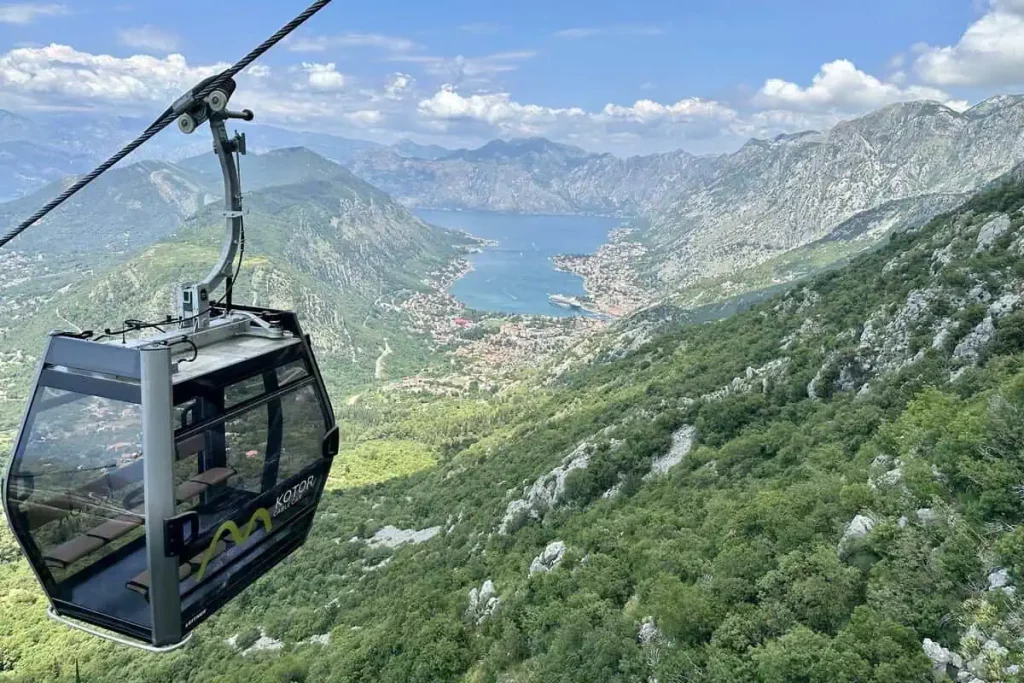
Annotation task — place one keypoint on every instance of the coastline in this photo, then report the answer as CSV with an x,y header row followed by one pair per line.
x,y
609,277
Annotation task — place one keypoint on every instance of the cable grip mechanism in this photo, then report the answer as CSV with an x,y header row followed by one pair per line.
x,y
194,299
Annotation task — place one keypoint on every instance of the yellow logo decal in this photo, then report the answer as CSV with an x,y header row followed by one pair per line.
x,y
238,536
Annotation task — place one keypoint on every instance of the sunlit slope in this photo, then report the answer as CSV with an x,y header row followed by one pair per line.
x,y
822,488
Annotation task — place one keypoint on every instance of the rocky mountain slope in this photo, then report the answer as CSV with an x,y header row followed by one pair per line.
x,y
328,245
706,217
772,196
826,487
25,166
131,207
122,211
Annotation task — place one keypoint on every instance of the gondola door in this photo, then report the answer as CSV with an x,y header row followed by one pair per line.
x,y
253,450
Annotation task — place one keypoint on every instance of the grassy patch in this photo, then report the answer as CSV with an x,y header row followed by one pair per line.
x,y
375,461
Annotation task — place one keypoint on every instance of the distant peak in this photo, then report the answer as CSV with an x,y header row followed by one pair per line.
x,y
801,136
994,103
514,147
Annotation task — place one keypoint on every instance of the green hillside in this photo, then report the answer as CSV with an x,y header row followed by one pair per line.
x,y
823,488
337,251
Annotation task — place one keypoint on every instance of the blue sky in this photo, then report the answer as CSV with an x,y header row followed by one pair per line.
x,y
629,77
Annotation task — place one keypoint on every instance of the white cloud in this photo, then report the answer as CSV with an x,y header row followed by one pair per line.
x,y
489,114
843,88
497,109
989,53
148,38
59,74
581,32
690,109
347,40
26,13
397,84
576,33
365,117
259,71
324,77
460,68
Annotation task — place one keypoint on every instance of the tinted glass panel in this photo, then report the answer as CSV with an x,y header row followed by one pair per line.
x,y
245,457
304,431
77,483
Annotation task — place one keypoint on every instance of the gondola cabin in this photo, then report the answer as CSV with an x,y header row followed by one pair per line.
x,y
153,480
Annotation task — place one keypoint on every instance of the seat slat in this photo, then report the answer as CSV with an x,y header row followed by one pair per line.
x,y
116,528
189,490
70,552
140,584
43,512
214,476
191,446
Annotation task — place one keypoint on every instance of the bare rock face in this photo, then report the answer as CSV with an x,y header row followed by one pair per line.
x,y
483,602
999,580
857,529
991,231
942,658
682,442
649,633
550,558
970,347
547,491
392,537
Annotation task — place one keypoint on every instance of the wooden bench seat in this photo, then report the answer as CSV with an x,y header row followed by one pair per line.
x,y
140,584
66,554
196,485
71,551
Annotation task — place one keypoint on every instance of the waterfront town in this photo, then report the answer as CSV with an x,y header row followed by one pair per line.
x,y
609,275
489,345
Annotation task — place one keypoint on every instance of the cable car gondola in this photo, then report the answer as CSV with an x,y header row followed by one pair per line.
x,y
155,478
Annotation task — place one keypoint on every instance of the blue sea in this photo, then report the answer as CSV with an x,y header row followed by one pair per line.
x,y
517,275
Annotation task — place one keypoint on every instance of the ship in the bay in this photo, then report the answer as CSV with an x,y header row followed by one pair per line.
x,y
565,301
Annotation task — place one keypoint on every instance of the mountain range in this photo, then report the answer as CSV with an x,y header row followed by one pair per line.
x,y
824,488
318,241
700,217
710,216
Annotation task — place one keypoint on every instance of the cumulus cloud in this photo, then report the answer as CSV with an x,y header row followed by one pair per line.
x,y
497,109
843,88
365,117
348,40
59,74
499,114
396,86
324,77
26,13
148,38
989,53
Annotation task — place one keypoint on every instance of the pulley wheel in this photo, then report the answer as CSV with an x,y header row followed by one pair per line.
x,y
186,124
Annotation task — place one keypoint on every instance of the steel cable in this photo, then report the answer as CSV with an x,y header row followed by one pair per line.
x,y
163,121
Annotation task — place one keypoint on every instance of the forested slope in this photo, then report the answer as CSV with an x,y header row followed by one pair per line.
x,y
824,488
